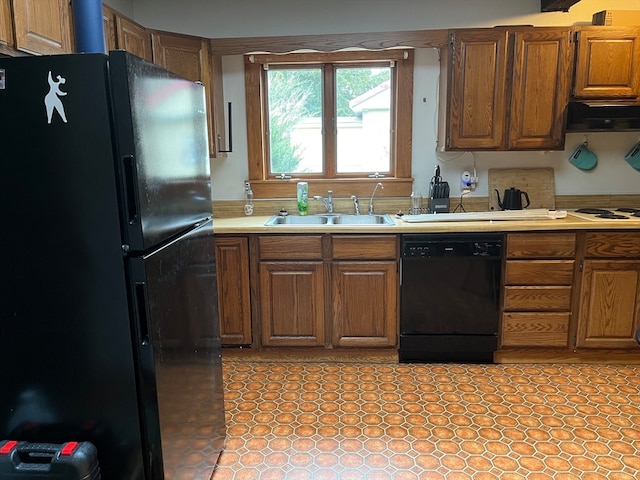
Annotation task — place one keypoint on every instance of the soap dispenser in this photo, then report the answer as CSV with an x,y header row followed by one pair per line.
x,y
248,199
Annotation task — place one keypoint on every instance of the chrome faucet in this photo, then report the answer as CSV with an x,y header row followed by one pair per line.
x,y
328,202
356,205
372,194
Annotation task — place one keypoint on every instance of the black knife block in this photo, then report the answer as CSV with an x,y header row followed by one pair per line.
x,y
439,205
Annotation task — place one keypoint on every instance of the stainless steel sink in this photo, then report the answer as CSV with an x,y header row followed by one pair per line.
x,y
328,219
363,220
297,220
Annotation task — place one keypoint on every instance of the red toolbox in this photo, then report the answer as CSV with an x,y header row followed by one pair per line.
x,y
36,461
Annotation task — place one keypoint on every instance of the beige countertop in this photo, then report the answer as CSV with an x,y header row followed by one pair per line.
x,y
255,224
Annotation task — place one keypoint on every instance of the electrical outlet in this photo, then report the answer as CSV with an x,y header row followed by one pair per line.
x,y
467,181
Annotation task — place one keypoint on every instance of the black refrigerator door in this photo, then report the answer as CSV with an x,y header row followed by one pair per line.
x,y
65,337
178,348
162,150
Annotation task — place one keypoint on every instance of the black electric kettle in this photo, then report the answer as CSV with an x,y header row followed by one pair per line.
x,y
512,199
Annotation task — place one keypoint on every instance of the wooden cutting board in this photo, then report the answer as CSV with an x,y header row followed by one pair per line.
x,y
539,183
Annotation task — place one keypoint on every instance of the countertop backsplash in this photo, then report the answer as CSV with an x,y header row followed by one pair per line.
x,y
235,208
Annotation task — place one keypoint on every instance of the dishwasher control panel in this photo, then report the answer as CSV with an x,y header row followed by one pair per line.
x,y
459,245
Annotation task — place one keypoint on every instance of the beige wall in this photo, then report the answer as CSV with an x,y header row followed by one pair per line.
x,y
286,17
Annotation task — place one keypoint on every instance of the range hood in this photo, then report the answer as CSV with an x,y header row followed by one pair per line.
x,y
603,117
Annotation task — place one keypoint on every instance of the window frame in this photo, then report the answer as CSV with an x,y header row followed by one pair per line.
x,y
397,183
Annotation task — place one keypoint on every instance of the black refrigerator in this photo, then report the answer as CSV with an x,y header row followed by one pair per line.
x,y
109,330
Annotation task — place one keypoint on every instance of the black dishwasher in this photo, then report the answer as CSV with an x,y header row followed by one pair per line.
x,y
449,297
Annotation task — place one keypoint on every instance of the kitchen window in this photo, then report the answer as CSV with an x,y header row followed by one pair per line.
x,y
341,121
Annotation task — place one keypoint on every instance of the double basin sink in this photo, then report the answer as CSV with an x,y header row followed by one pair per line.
x,y
330,219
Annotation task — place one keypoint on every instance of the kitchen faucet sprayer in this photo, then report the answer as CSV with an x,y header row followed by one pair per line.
x,y
372,194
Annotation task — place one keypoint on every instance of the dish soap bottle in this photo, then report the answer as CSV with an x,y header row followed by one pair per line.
x,y
303,198
248,199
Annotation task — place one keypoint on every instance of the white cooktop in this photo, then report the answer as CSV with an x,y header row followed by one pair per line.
x,y
588,216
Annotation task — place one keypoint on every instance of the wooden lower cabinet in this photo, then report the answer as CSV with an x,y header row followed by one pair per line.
x,y
575,300
364,297
538,286
609,304
567,296
292,303
291,289
364,303
234,302
328,290
610,293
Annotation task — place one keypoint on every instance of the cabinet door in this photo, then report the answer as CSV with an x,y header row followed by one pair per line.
x,y
182,54
540,89
188,57
609,304
42,26
6,32
109,25
133,38
477,97
607,63
364,300
292,303
234,306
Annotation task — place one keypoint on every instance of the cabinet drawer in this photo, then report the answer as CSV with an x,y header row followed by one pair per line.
x,y
537,298
539,272
613,244
365,247
290,247
541,245
535,329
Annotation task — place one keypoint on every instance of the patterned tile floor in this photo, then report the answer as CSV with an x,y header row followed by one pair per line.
x,y
327,420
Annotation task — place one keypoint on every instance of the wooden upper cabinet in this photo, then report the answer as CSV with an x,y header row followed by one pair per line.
x,y
607,63
184,55
189,57
508,89
133,38
109,25
541,85
6,31
476,89
123,33
42,26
